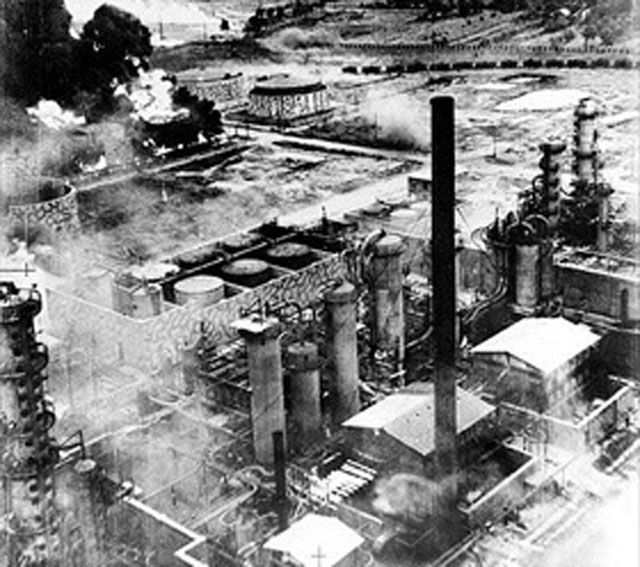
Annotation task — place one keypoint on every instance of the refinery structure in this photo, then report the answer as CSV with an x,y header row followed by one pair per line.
x,y
365,382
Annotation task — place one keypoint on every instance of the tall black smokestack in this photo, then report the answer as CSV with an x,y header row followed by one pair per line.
x,y
444,294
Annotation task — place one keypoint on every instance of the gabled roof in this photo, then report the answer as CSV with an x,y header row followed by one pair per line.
x,y
410,418
385,411
543,343
316,540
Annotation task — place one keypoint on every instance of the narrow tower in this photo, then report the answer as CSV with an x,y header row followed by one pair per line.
x,y
444,294
29,453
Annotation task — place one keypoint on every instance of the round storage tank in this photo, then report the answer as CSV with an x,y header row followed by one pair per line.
x,y
242,241
202,255
248,272
291,255
199,290
154,272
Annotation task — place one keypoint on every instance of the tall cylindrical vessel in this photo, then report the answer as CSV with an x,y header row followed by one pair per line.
x,y
547,272
527,275
28,451
304,390
387,295
343,349
262,338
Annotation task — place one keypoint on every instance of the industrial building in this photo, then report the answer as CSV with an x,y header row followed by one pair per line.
x,y
277,378
402,425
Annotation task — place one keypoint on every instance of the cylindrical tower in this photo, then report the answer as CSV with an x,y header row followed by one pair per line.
x,y
262,337
586,162
343,349
550,181
29,454
527,275
385,277
304,390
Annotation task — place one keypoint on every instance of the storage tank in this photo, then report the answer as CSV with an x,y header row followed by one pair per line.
x,y
154,272
291,255
527,275
241,241
247,272
304,392
146,301
199,290
194,258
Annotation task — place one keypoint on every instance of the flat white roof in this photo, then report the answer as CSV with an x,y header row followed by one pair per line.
x,y
543,343
316,540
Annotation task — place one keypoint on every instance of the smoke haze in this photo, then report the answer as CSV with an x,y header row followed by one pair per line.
x,y
402,121
150,12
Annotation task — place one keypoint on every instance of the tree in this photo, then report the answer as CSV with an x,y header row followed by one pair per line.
x,y
40,59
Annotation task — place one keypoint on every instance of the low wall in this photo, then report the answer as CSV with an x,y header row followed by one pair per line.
x,y
223,91
574,437
59,214
152,344
490,507
600,291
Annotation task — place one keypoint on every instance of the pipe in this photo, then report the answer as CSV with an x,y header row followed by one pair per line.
x,y
279,459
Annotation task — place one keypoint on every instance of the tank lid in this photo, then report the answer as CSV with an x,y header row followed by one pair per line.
x,y
553,147
245,267
390,245
343,293
199,284
288,250
154,271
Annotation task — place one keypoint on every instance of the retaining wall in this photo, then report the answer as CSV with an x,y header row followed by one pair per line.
x,y
59,214
152,344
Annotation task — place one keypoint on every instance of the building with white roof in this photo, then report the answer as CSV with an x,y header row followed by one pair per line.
x,y
316,540
535,363
399,431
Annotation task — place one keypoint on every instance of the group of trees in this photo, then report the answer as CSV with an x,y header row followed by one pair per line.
x,y
39,57
604,19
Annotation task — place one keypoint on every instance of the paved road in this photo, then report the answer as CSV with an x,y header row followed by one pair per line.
x,y
609,536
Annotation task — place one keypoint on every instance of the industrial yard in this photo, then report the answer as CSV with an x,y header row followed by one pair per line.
x,y
320,291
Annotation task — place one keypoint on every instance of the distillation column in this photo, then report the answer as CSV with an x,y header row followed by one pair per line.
x,y
343,349
386,287
304,389
29,454
550,164
587,164
262,337
585,152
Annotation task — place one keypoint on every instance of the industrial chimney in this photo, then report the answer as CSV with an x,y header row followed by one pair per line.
x,y
444,295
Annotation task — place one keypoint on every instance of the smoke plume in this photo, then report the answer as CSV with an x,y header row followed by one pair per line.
x,y
402,122
150,12
296,38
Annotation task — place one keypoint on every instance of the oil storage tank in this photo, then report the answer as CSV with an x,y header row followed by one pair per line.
x,y
248,272
199,290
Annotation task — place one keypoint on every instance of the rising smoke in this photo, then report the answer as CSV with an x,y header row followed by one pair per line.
x,y
150,12
296,38
402,123
406,496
